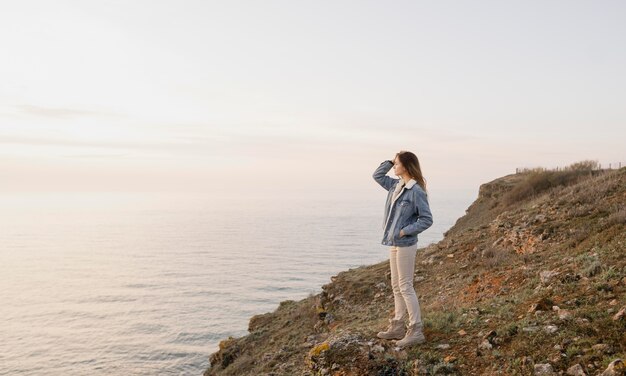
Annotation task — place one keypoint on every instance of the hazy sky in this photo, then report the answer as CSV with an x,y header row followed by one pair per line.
x,y
302,96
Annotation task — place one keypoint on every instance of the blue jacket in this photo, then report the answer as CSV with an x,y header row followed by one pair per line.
x,y
409,212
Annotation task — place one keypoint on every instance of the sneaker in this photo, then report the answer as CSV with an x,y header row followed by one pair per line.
x,y
414,336
395,330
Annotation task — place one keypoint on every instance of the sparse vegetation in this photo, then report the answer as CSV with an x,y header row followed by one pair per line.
x,y
540,180
541,279
445,321
618,217
494,257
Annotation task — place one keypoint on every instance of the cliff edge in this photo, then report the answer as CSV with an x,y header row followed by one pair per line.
x,y
531,281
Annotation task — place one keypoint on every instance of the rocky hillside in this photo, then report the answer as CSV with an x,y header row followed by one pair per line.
x,y
531,281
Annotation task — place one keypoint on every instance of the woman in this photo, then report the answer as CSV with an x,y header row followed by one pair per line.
x,y
407,213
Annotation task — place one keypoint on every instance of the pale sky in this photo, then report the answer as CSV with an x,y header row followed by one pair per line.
x,y
303,96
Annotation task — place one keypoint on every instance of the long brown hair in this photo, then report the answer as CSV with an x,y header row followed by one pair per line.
x,y
412,165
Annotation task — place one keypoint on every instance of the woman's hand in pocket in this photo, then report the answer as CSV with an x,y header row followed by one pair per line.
x,y
401,233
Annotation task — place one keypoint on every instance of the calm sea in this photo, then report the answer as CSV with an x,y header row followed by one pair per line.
x,y
145,284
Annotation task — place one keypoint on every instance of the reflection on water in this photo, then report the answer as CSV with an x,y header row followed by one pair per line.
x,y
123,284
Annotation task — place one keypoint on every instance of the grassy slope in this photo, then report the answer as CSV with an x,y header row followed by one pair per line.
x,y
483,277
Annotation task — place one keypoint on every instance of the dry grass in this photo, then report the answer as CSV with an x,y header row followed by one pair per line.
x,y
494,257
618,217
540,180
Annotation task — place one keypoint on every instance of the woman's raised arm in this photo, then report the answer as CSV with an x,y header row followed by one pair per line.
x,y
380,175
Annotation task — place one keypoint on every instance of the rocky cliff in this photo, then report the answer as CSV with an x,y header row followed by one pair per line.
x,y
531,281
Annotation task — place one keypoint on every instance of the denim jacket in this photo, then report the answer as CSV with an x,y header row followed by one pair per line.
x,y
409,212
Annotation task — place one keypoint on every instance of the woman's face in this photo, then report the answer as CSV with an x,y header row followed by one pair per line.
x,y
398,168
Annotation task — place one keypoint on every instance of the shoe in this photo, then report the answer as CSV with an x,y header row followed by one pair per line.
x,y
414,336
395,330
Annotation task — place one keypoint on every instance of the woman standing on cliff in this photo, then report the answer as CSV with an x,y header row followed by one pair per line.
x,y
407,213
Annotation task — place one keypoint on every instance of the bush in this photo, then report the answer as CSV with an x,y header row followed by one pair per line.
x,y
446,321
539,181
587,165
495,257
618,217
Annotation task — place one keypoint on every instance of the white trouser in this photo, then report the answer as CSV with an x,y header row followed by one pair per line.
x,y
402,262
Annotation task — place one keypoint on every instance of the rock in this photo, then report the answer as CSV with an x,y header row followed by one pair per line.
x,y
259,321
317,350
544,369
485,345
443,346
550,329
613,302
615,368
556,308
378,349
620,315
576,370
329,319
462,332
419,278
490,336
381,285
530,329
342,349
547,275
565,314
229,350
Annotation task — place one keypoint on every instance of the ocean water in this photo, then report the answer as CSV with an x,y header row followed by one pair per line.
x,y
145,284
